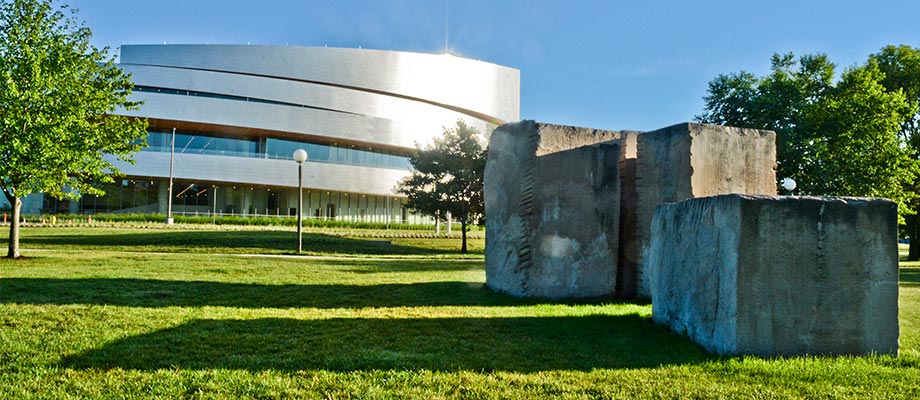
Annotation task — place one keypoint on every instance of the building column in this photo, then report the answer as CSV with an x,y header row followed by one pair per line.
x,y
162,197
247,201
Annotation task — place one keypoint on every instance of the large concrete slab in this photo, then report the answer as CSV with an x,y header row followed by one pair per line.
x,y
778,276
552,211
685,161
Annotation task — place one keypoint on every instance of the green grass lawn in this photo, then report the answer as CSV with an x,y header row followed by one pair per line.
x,y
128,313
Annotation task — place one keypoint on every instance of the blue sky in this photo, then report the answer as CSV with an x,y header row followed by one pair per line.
x,y
602,64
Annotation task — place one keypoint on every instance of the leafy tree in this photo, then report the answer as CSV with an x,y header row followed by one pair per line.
x,y
834,138
57,98
858,150
779,101
447,178
901,66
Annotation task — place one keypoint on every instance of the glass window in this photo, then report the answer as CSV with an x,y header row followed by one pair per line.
x,y
199,143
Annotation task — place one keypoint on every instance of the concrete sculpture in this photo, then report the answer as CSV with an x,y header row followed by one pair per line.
x,y
687,215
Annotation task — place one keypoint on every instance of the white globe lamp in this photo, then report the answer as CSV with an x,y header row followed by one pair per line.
x,y
788,184
300,155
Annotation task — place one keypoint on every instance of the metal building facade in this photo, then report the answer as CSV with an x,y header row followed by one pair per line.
x,y
239,111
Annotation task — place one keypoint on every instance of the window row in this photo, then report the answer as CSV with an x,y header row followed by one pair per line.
x,y
193,143
192,198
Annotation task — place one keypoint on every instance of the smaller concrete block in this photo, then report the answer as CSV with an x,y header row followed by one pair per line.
x,y
778,276
686,161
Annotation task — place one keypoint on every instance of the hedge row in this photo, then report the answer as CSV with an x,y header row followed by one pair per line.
x,y
227,220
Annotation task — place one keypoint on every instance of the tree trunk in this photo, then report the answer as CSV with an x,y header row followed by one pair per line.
x,y
913,233
463,235
14,226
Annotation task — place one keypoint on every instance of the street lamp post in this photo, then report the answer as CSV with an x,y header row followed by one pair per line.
x,y
300,155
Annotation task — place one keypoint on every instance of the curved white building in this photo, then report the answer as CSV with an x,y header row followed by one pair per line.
x,y
240,111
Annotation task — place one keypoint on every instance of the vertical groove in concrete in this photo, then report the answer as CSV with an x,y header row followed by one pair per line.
x,y
525,256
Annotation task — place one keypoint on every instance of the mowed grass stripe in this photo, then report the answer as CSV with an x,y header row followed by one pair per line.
x,y
211,240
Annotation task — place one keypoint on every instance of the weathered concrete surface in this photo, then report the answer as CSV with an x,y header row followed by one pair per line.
x,y
552,212
778,276
685,161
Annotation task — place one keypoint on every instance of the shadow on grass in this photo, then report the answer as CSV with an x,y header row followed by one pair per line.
x,y
910,276
241,241
164,293
478,344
